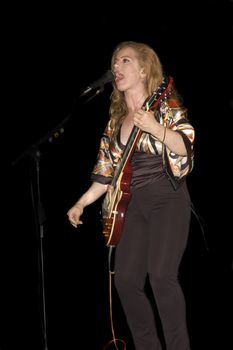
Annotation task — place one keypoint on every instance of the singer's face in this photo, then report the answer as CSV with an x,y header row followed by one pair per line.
x,y
127,71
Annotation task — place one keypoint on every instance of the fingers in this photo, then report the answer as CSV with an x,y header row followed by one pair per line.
x,y
75,224
139,118
140,115
144,120
74,219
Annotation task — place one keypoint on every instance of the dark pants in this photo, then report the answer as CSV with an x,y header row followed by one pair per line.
x,y
152,244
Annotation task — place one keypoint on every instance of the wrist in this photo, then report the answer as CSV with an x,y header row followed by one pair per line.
x,y
78,205
160,133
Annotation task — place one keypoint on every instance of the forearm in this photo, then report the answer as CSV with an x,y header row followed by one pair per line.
x,y
172,139
95,191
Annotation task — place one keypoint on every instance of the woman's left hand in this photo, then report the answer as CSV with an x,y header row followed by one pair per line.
x,y
145,120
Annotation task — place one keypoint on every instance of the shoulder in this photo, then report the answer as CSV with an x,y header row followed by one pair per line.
x,y
108,131
172,110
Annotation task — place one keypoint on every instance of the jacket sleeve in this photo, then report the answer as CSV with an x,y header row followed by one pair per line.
x,y
176,119
103,170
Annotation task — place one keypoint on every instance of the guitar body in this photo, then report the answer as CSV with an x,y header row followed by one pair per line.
x,y
118,196
114,208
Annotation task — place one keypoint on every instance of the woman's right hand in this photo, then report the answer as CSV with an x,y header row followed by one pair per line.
x,y
95,191
74,215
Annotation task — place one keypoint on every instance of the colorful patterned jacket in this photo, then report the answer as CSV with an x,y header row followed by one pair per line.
x,y
169,113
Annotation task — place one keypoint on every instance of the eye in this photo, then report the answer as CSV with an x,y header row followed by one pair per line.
x,y
125,60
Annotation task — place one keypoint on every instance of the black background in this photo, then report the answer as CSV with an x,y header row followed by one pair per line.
x,y
51,55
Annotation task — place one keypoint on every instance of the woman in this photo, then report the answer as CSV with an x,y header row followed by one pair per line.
x,y
157,218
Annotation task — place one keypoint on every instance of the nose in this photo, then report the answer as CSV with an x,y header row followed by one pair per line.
x,y
115,67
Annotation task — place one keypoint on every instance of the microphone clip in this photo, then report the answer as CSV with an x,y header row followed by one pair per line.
x,y
99,84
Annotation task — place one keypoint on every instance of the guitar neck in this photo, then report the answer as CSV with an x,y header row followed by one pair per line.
x,y
151,103
128,152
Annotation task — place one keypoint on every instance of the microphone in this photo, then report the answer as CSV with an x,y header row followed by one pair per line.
x,y
106,78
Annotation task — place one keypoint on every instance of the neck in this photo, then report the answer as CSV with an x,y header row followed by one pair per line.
x,y
135,102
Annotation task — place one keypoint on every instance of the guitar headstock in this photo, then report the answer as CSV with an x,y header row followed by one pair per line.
x,y
160,93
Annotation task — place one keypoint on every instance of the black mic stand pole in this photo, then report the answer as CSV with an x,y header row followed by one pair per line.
x,y
34,152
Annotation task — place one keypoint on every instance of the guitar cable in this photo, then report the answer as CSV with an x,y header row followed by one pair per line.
x,y
111,273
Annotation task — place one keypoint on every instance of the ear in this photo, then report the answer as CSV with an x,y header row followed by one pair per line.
x,y
142,72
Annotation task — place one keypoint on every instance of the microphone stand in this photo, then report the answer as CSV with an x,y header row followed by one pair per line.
x,y
34,152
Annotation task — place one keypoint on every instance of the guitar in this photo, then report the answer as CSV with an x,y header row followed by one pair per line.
x,y
118,195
